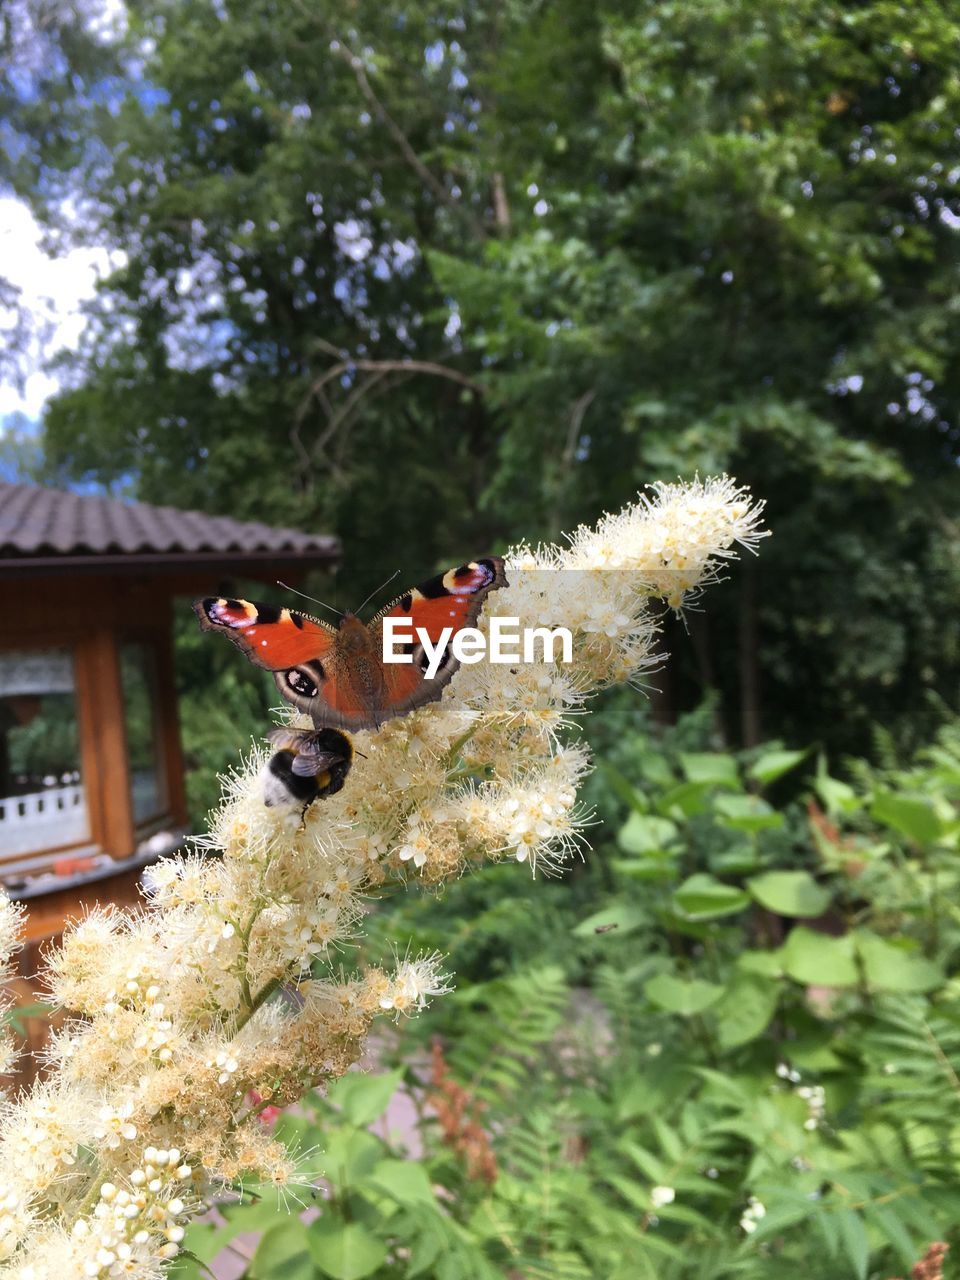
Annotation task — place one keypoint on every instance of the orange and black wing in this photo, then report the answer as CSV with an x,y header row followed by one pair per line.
x,y
287,643
450,600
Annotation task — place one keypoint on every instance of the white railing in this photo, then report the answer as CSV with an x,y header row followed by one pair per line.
x,y
43,820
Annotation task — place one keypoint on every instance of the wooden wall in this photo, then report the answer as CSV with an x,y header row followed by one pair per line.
x,y
92,615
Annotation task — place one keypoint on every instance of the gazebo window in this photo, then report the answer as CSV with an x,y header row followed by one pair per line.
x,y
42,800
142,721
91,768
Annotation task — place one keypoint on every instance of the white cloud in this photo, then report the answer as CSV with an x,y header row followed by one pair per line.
x,y
52,291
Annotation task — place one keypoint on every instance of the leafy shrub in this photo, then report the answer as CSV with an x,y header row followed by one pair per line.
x,y
737,1055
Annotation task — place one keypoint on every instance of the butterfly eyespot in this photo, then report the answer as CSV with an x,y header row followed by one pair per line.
x,y
301,684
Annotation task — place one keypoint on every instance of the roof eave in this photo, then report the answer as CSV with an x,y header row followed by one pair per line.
x,y
166,562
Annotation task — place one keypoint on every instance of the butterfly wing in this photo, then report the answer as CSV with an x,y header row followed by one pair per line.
x,y
293,646
271,637
338,677
452,599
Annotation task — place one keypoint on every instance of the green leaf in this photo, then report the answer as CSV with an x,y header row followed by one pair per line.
x,y
685,800
883,1219
703,897
649,1164
655,1087
746,813
283,1253
659,867
819,960
737,859
774,764
678,996
620,786
249,1215
815,1052
913,816
17,1016
201,1243
853,1239
645,833
789,893
405,1180
888,967
710,767
363,1097
836,796
654,768
187,1267
744,1010
778,1219
625,915
768,964
344,1250
423,1252
350,1154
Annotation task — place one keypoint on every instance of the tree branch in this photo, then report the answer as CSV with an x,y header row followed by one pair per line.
x,y
400,138
390,366
379,370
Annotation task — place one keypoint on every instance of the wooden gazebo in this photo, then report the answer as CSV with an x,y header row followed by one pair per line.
x,y
91,773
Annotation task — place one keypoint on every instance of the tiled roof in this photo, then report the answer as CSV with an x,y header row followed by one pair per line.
x,y
38,523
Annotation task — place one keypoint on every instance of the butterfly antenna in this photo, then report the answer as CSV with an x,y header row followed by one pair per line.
x,y
377,590
313,599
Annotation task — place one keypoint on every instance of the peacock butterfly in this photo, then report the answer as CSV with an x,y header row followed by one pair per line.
x,y
337,675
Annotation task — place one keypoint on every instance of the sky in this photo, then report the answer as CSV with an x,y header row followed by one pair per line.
x,y
53,291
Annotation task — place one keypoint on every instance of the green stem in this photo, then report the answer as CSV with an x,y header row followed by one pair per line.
x,y
260,999
454,752
92,1196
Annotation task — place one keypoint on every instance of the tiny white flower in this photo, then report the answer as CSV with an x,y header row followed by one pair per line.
x,y
752,1215
114,1125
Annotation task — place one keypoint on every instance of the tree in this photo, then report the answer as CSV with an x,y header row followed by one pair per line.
x,y
435,278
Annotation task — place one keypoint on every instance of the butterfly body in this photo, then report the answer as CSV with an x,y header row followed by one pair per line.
x,y
358,656
337,675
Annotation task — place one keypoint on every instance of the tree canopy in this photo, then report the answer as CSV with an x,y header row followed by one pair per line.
x,y
439,276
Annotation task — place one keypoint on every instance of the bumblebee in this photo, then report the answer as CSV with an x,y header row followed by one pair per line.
x,y
308,765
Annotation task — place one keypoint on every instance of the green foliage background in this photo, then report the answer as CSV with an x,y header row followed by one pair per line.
x,y
730,1001
439,277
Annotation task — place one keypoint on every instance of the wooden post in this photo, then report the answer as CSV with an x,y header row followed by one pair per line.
x,y
170,749
106,774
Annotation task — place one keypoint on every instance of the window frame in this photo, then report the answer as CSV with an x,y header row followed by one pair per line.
x,y
87,844
101,722
151,642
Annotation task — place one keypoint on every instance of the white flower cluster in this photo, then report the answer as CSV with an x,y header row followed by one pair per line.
x,y
11,917
689,530
812,1094
752,1215
222,996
